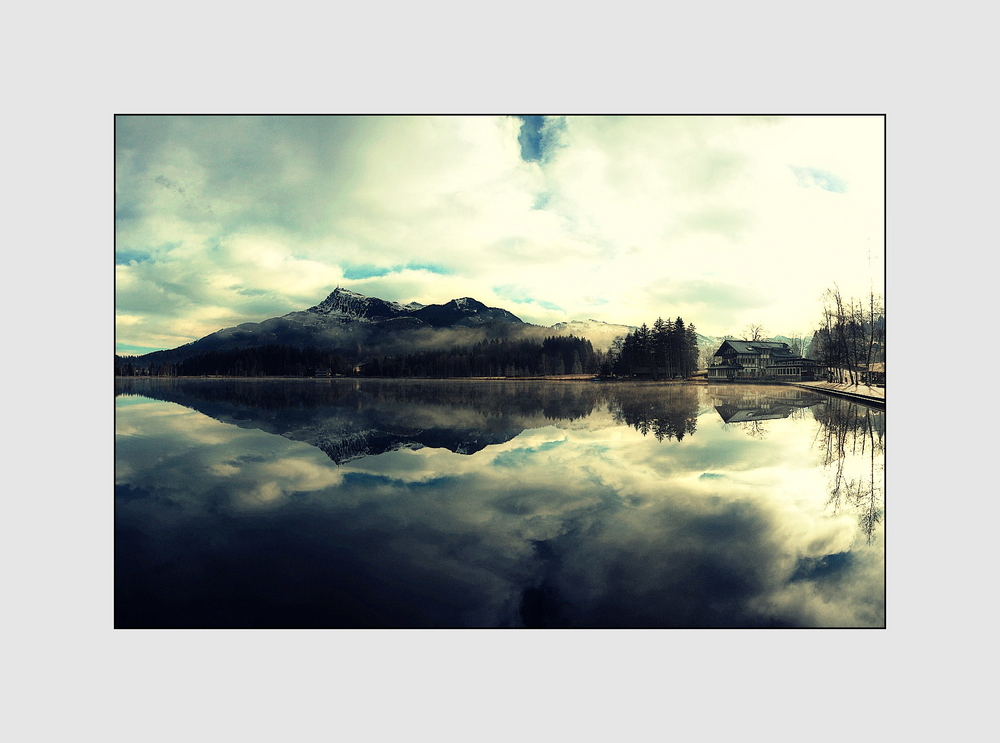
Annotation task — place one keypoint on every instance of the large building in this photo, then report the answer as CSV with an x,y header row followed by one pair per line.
x,y
759,361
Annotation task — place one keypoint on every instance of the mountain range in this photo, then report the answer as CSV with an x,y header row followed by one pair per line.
x,y
344,305
361,327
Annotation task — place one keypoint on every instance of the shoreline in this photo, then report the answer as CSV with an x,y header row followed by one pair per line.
x,y
864,394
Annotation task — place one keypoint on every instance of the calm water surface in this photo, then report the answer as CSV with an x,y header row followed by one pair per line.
x,y
369,503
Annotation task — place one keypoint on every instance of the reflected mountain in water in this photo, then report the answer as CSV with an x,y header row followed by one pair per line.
x,y
351,419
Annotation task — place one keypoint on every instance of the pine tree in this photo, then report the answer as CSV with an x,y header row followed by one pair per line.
x,y
660,342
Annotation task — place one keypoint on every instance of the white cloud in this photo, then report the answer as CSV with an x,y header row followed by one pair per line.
x,y
635,216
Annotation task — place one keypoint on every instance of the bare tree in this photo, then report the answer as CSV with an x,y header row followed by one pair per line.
x,y
852,335
754,332
798,345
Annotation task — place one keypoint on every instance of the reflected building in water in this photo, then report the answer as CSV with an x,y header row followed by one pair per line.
x,y
742,405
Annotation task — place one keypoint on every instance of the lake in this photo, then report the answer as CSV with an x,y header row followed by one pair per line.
x,y
365,503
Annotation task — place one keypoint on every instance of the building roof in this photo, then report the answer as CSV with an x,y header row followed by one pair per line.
x,y
755,346
780,353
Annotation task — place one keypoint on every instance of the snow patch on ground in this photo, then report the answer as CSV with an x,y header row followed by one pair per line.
x,y
861,389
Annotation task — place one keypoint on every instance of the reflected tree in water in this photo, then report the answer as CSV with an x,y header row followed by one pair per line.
x,y
670,413
852,441
753,429
349,419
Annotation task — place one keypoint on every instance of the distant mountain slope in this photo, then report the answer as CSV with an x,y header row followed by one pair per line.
x,y
358,327
464,312
601,334
345,305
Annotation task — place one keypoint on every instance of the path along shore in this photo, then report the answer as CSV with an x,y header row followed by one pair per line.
x,y
860,393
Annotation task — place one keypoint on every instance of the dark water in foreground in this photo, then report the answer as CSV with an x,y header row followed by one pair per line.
x,y
370,503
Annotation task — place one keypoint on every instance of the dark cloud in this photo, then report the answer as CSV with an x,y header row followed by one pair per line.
x,y
168,184
125,257
282,171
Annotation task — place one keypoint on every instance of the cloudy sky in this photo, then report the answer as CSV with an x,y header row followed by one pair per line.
x,y
724,221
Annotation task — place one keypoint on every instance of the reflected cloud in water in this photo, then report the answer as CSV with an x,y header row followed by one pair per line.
x,y
478,504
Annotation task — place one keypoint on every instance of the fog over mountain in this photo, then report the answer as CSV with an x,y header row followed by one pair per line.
x,y
601,334
359,328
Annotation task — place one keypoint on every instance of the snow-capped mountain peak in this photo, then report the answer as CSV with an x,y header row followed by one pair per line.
x,y
347,305
351,305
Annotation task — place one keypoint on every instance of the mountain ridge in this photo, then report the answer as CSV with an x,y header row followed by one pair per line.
x,y
359,327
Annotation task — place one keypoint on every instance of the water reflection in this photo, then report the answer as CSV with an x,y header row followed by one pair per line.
x,y
853,445
748,407
669,413
483,505
353,419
